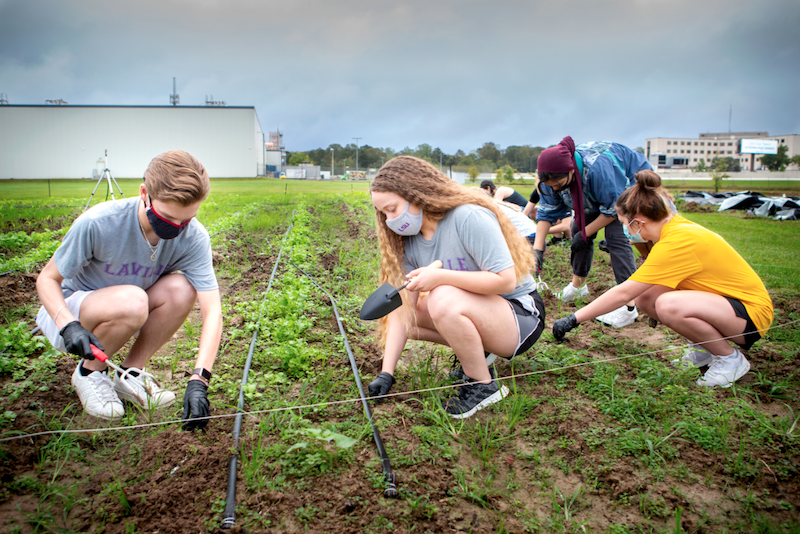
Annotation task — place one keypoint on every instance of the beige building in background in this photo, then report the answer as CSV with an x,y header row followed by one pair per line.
x,y
683,153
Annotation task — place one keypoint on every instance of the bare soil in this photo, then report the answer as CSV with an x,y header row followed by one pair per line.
x,y
170,481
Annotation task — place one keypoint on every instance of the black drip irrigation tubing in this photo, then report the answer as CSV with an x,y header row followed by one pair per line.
x,y
389,476
229,515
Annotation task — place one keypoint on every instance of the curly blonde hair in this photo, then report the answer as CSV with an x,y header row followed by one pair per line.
x,y
420,183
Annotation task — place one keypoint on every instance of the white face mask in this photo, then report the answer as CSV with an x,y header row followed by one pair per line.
x,y
406,224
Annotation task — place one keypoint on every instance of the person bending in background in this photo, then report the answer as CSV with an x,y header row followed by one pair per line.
x,y
561,230
588,179
693,281
523,224
504,193
135,267
483,300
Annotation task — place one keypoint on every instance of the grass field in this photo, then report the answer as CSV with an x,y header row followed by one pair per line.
x,y
82,189
600,434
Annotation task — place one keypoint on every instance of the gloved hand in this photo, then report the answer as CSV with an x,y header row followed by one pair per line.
x,y
562,326
195,405
381,385
77,340
579,244
539,255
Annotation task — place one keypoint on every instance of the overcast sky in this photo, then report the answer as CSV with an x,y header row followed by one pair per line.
x,y
454,74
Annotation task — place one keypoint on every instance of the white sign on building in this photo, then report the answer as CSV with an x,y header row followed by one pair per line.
x,y
759,146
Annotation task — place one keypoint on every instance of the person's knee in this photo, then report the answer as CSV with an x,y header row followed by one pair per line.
x,y
668,308
133,306
443,302
646,304
182,294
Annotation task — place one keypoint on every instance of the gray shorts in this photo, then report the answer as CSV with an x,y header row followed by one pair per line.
x,y
529,325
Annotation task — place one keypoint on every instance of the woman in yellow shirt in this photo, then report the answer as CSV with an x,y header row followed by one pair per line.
x,y
693,281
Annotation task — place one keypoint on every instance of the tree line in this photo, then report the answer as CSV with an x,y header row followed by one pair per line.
x,y
487,158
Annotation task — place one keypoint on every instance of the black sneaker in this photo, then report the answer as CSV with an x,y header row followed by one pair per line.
x,y
474,396
457,374
556,240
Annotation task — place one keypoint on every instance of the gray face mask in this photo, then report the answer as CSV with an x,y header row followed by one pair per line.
x,y
406,224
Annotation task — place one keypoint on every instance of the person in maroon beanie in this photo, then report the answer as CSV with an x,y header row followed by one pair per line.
x,y
588,179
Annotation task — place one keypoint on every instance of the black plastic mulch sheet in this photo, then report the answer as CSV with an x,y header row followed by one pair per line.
x,y
779,208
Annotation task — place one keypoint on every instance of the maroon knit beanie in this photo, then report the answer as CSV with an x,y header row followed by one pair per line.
x,y
559,158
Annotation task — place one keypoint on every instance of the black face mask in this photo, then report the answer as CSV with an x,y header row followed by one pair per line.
x,y
162,227
556,191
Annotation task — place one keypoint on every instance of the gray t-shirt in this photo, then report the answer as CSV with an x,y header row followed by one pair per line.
x,y
468,238
105,247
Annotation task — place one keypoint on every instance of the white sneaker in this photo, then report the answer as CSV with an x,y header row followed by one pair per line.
x,y
725,370
142,390
619,317
97,394
570,292
695,356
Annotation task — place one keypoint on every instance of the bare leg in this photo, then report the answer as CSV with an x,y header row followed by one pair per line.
x,y
471,323
113,314
647,300
701,317
172,297
564,227
578,281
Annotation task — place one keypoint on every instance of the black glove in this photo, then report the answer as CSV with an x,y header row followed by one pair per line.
x,y
195,405
579,244
562,326
77,340
539,255
381,385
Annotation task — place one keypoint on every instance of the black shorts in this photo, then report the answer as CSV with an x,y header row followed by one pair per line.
x,y
751,333
529,331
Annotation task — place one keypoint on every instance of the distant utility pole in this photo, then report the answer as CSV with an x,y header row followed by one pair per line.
x,y
174,98
357,140
730,115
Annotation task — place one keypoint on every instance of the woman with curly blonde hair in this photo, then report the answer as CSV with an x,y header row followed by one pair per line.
x,y
483,299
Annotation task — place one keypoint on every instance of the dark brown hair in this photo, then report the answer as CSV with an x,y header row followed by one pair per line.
x,y
647,197
177,175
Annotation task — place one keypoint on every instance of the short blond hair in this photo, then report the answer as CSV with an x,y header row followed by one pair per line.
x,y
177,175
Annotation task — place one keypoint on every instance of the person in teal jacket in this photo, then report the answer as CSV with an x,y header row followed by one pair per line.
x,y
588,179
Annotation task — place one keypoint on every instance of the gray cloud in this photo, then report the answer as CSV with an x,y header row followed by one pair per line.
x,y
453,73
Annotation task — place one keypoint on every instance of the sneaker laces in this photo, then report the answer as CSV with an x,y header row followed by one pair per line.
x,y
102,386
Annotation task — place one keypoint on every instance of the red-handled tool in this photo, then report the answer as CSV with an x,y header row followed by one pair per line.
x,y
125,374
100,355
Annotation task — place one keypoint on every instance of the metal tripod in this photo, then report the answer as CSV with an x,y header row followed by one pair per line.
x,y
110,179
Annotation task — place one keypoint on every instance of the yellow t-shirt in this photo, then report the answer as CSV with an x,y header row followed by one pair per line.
x,y
691,257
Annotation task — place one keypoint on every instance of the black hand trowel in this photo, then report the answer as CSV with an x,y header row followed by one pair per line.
x,y
386,299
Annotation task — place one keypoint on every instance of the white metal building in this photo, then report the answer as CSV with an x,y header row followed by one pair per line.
x,y
67,141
